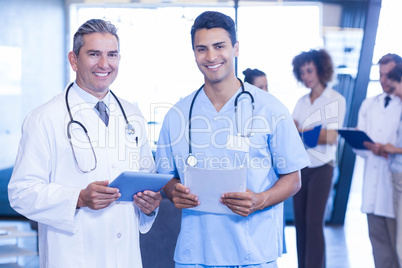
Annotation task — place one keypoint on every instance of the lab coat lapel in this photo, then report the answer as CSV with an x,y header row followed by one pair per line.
x,y
83,111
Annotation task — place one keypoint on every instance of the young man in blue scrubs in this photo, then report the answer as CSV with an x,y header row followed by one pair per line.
x,y
252,235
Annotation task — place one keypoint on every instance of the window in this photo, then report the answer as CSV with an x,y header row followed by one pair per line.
x,y
387,40
158,68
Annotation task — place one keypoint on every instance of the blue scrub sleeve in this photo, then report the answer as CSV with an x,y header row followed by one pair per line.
x,y
285,144
164,155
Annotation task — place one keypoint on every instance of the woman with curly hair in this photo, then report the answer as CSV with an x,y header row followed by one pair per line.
x,y
326,107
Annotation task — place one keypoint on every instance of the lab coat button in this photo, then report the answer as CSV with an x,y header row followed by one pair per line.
x,y
114,166
118,235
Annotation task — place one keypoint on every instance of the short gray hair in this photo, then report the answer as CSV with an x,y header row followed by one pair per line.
x,y
93,26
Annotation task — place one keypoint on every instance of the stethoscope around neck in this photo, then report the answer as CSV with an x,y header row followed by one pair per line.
x,y
129,129
191,159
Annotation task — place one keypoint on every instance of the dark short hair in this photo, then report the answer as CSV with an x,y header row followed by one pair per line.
x,y
212,19
251,74
322,61
396,73
389,58
93,26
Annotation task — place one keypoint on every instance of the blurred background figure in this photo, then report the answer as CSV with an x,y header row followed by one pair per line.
x,y
326,107
394,153
256,77
379,117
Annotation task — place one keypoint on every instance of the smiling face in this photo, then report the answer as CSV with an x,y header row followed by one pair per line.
x,y
384,70
214,54
309,76
97,64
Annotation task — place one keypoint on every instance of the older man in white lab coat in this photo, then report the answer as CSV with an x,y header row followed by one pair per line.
x,y
63,187
379,118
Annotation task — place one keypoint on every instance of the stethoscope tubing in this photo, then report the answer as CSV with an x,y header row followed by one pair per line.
x,y
71,116
191,159
129,128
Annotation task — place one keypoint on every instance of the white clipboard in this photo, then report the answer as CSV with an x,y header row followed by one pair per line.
x,y
210,184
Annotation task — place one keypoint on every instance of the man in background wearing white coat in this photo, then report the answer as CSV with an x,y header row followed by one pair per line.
x,y
379,118
61,176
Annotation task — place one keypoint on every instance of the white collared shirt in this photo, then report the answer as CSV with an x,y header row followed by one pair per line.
x,y
328,110
89,98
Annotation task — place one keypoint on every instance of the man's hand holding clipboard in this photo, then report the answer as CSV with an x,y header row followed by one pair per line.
x,y
356,138
361,141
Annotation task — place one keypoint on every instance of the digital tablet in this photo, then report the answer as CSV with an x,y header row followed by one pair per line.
x,y
129,183
355,138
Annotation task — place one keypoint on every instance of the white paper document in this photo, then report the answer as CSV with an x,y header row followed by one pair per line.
x,y
210,184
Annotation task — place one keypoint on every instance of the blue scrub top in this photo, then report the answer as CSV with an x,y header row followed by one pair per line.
x,y
275,148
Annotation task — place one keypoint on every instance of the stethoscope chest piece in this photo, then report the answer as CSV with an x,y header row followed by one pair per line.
x,y
130,129
191,160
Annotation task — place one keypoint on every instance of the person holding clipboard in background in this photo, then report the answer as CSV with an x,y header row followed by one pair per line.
x,y
229,130
393,152
71,148
379,118
323,111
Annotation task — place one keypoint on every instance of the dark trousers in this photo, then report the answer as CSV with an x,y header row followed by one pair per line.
x,y
309,208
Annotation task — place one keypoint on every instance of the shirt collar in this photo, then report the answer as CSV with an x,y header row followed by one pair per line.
x,y
392,96
89,98
325,94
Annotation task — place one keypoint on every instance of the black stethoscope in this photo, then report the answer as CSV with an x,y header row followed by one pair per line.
x,y
129,129
191,159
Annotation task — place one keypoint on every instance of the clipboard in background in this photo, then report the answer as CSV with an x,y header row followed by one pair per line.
x,y
355,138
310,137
129,183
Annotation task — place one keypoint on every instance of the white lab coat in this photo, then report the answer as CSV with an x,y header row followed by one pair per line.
x,y
381,126
45,185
